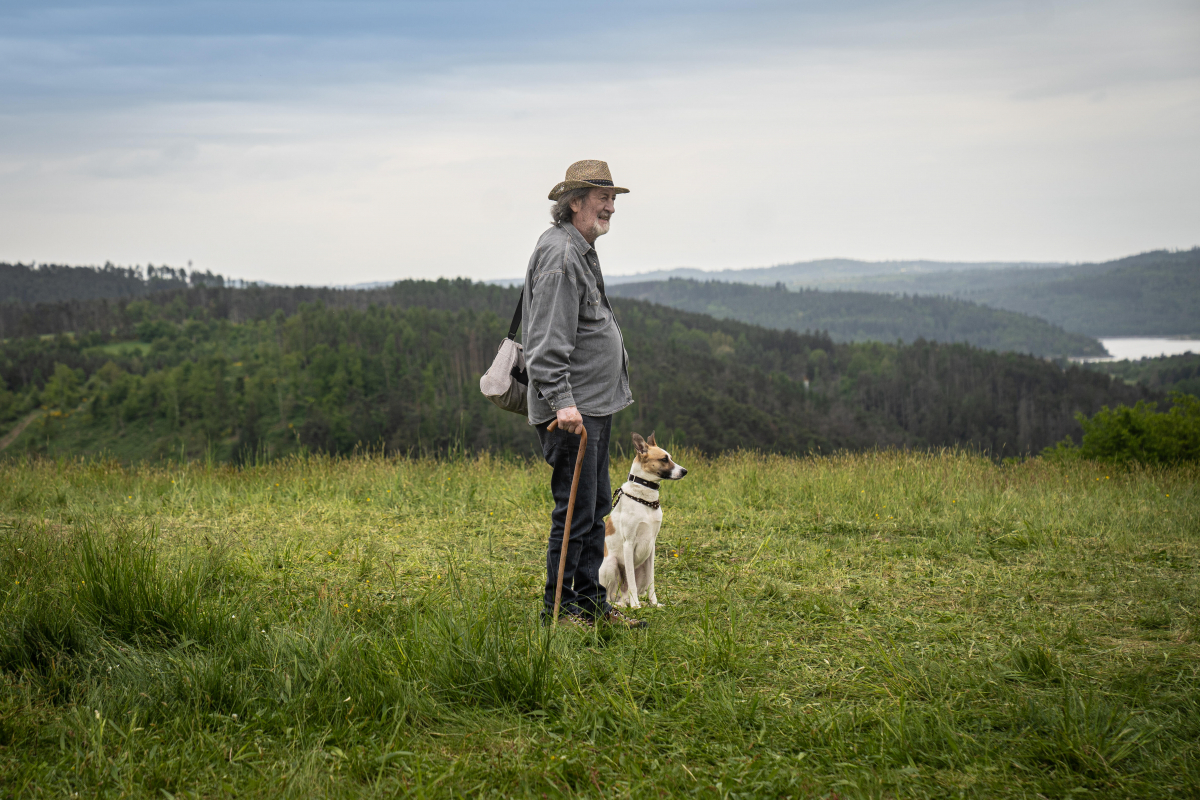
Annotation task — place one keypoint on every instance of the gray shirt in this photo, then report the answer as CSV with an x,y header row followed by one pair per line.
x,y
574,350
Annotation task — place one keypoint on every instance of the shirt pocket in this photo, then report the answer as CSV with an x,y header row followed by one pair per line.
x,y
591,308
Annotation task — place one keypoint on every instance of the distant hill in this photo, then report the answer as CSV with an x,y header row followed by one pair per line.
x,y
1151,294
1155,293
820,273
56,283
861,316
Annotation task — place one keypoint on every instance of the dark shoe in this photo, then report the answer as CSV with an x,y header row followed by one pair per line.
x,y
618,620
576,621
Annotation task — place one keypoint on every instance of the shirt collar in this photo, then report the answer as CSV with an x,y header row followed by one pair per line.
x,y
577,237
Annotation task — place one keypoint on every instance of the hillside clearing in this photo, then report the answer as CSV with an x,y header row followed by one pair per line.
x,y
874,625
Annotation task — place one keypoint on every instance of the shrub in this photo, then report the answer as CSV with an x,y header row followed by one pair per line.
x,y
1141,433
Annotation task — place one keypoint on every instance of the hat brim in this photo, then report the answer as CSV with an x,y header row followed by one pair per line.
x,y
566,186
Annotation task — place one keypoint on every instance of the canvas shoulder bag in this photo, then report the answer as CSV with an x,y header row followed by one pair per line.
x,y
506,382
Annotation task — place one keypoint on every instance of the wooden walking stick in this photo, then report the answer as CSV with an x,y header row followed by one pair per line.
x,y
562,556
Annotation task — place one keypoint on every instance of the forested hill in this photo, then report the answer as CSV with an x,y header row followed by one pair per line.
x,y
1166,374
862,317
1154,293
239,373
55,283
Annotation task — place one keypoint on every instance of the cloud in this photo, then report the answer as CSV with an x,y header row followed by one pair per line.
x,y
336,143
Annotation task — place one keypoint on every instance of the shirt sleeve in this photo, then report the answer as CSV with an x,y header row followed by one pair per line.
x,y
550,332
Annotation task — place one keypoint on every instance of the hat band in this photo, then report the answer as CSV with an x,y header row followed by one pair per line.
x,y
598,182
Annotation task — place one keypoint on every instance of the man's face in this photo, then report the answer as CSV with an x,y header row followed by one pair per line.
x,y
591,215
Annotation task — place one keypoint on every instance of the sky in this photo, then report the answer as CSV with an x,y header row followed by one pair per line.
x,y
356,141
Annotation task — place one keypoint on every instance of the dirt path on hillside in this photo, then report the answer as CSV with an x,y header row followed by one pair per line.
x,y
12,435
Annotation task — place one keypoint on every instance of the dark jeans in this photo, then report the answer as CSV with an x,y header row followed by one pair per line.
x,y
582,592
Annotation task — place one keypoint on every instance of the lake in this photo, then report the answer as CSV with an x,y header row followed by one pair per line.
x,y
1134,347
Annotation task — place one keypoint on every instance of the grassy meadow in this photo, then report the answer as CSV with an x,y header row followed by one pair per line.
x,y
873,625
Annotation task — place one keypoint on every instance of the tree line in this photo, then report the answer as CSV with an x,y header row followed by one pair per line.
x,y
1166,374
235,373
58,283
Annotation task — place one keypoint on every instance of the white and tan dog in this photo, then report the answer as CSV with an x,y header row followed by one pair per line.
x,y
632,528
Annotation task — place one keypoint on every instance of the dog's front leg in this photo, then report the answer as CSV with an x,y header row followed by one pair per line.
x,y
651,595
610,579
631,576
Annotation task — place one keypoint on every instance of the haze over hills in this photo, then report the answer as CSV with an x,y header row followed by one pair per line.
x,y
829,271
814,274
1144,295
1150,294
863,317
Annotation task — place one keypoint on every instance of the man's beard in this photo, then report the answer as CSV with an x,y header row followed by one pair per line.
x,y
600,227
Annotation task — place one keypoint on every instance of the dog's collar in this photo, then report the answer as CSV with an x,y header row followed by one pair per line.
x,y
643,482
618,494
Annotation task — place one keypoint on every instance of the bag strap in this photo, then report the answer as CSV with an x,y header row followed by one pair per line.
x,y
516,320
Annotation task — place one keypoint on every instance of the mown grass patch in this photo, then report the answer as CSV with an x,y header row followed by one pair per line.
x,y
872,625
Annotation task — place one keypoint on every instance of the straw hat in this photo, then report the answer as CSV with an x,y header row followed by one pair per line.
x,y
586,174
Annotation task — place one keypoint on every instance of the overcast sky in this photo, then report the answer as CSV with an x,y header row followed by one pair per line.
x,y
322,142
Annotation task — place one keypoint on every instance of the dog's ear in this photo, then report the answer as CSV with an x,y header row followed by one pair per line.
x,y
640,445
651,441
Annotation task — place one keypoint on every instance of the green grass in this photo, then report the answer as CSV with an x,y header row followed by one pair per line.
x,y
877,625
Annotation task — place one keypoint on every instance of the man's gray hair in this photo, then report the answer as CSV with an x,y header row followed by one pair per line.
x,y
561,210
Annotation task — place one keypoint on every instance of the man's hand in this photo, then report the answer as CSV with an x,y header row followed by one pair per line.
x,y
570,420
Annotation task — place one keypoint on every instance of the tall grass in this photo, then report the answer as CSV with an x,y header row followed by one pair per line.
x,y
873,625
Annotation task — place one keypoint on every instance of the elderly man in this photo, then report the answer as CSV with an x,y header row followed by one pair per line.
x,y
578,374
